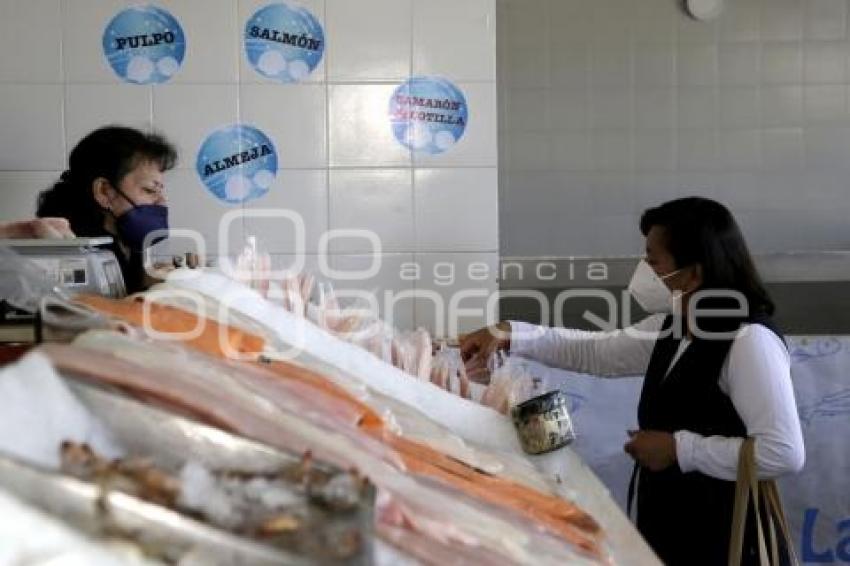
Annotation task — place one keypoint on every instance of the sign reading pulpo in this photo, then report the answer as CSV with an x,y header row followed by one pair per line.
x,y
428,114
144,45
284,42
237,163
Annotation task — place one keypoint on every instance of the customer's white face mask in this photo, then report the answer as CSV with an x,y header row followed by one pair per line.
x,y
650,292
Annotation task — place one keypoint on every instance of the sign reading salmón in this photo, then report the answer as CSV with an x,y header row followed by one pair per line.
x,y
284,42
237,163
144,45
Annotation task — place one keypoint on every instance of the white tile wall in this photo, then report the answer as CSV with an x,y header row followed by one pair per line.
x,y
655,108
656,152
83,22
90,106
340,165
782,62
391,288
740,21
826,19
569,68
468,279
461,46
697,108
187,114
303,191
781,106
212,41
781,20
654,65
825,104
294,116
28,112
19,192
467,225
752,108
738,63
360,134
651,23
825,62
30,27
370,40
379,200
738,107
611,108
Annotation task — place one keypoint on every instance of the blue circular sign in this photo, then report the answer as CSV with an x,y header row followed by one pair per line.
x,y
237,163
284,42
428,114
144,45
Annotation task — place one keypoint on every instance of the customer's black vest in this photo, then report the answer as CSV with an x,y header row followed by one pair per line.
x,y
686,517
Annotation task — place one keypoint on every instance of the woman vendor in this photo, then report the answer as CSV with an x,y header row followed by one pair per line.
x,y
114,187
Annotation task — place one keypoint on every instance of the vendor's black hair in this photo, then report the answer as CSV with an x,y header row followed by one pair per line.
x,y
110,152
702,231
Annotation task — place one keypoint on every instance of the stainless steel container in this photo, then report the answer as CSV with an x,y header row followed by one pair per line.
x,y
543,423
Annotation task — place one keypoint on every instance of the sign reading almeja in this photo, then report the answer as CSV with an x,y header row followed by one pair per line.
x,y
237,163
284,42
144,45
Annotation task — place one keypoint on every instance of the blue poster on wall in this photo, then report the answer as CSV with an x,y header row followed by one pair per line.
x,y
284,42
237,163
144,45
428,114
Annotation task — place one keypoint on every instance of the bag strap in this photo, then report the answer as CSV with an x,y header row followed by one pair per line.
x,y
739,512
772,499
630,498
752,476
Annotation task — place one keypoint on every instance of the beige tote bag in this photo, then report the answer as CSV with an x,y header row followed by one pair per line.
x,y
764,492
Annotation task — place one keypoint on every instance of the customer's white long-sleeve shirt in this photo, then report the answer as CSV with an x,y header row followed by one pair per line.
x,y
756,376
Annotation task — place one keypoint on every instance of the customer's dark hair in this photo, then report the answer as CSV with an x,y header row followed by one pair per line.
x,y
110,152
702,231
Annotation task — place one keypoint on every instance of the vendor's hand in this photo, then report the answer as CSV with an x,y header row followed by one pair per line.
x,y
53,228
652,449
477,347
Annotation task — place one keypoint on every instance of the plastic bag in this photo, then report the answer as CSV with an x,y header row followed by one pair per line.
x,y
449,372
22,281
253,267
512,382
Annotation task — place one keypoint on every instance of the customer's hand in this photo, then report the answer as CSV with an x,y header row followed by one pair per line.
x,y
652,449
477,347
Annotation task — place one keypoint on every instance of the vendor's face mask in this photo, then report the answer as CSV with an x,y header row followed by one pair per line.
x,y
650,291
136,224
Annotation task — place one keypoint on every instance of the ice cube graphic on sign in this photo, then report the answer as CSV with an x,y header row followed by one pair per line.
x,y
428,114
144,45
237,163
284,42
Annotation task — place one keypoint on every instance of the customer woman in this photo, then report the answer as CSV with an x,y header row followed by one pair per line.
x,y
114,187
716,370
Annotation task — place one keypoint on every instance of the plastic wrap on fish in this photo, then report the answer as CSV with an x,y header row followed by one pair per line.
x,y
549,512
294,336
423,412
